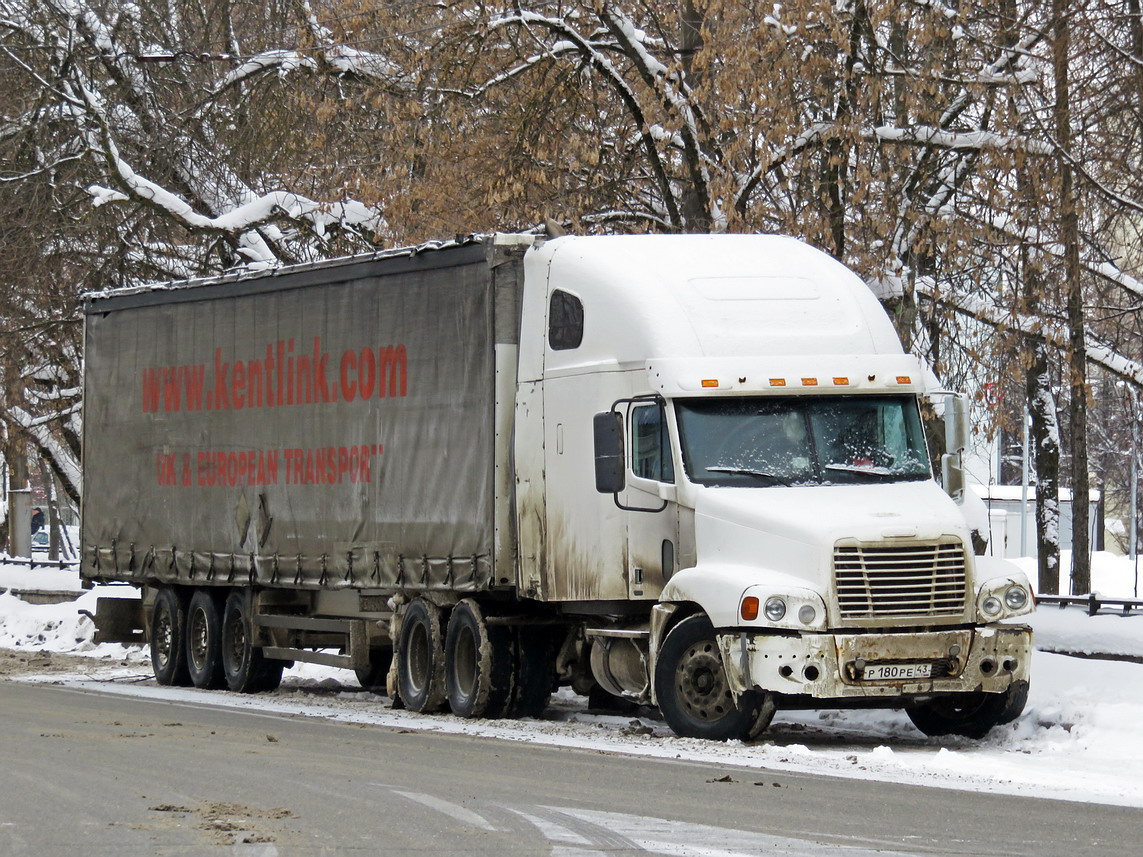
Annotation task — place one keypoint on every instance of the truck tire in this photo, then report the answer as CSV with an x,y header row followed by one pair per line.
x,y
374,677
969,714
420,658
478,663
691,687
244,667
535,671
204,641
168,646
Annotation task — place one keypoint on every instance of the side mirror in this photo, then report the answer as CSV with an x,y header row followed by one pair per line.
x,y
609,468
956,441
956,423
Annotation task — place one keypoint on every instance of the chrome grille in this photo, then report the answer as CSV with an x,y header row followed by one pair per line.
x,y
900,580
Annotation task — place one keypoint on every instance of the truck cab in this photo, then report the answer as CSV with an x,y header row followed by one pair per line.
x,y
761,527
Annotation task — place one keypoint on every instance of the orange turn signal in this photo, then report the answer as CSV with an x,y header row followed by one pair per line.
x,y
749,608
710,383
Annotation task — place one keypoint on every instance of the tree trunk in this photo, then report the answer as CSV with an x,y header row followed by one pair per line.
x,y
1046,461
695,210
1077,341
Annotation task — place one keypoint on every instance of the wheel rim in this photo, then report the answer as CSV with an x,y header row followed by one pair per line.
x,y
236,632
418,657
164,636
464,663
701,683
198,644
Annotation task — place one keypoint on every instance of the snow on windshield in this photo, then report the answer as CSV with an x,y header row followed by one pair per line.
x,y
802,440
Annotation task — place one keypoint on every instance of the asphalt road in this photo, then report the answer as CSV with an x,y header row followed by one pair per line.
x,y
91,774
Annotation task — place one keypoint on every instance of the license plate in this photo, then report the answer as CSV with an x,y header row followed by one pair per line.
x,y
894,672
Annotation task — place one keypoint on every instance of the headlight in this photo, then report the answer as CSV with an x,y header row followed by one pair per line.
x,y
775,608
807,614
1015,597
991,606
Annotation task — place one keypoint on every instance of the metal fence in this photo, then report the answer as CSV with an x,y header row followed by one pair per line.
x,y
37,562
1094,604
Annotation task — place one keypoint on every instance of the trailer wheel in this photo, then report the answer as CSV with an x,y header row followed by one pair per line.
x,y
374,677
168,647
204,641
245,668
694,696
478,663
969,714
536,668
420,657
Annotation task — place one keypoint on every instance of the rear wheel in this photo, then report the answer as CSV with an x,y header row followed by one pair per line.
x,y
420,657
693,693
535,670
478,663
244,667
168,646
204,641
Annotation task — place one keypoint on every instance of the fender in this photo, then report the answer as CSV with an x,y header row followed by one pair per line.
x,y
719,589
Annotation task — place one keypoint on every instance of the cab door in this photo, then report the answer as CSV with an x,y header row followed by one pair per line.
x,y
649,499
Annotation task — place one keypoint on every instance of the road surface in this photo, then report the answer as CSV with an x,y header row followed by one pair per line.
x,y
92,774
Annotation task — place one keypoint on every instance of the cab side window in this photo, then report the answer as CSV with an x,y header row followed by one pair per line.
x,y
565,321
650,444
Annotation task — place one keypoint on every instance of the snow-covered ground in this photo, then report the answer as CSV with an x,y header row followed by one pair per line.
x,y
1079,737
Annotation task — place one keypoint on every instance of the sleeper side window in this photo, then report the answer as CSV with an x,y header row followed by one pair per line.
x,y
565,321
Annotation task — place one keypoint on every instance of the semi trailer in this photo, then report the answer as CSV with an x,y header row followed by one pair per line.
x,y
688,471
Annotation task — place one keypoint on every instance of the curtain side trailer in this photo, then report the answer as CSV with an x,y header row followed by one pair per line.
x,y
688,471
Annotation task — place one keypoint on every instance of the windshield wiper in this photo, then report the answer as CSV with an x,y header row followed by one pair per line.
x,y
864,470
745,471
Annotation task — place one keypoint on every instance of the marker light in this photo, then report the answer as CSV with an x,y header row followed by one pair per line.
x,y
841,382
777,382
809,382
710,382
904,379
775,608
749,609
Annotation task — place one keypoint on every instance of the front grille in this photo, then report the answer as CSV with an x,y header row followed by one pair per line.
x,y
900,580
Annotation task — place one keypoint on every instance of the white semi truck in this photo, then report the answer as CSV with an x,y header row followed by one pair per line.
x,y
689,471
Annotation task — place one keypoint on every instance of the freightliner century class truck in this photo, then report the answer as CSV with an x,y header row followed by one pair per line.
x,y
689,471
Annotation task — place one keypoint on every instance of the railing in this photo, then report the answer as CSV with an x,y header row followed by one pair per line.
x,y
1094,604
37,562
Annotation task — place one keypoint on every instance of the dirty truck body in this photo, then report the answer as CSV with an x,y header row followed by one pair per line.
x,y
686,470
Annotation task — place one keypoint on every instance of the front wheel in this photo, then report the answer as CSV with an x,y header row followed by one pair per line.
x,y
693,693
969,714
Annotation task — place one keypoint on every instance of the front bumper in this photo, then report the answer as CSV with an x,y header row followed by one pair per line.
x,y
833,666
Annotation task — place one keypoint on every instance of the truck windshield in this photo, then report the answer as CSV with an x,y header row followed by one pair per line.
x,y
764,441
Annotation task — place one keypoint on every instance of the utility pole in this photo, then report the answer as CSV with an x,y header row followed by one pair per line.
x,y
1133,527
19,503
